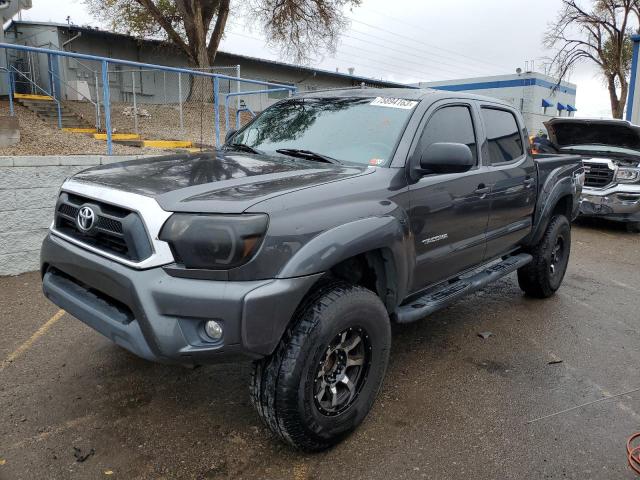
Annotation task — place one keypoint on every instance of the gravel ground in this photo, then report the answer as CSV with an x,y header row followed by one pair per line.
x,y
453,406
163,121
37,137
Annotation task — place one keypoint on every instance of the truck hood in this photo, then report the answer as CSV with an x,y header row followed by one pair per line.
x,y
215,182
568,132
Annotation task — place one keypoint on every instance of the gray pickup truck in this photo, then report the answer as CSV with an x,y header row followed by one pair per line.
x,y
329,216
611,155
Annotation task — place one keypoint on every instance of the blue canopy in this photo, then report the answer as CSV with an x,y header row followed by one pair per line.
x,y
571,108
546,103
561,107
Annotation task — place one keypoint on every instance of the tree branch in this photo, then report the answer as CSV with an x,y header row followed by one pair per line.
x,y
166,26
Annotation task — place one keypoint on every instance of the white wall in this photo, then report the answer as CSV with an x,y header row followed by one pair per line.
x,y
28,191
527,99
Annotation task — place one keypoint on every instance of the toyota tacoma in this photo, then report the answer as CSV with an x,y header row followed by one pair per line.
x,y
296,244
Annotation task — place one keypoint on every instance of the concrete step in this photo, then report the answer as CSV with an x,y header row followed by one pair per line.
x,y
117,136
80,130
67,124
55,114
32,97
31,103
130,143
167,144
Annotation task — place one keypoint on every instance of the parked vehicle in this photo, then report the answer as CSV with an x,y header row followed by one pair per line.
x,y
611,153
326,218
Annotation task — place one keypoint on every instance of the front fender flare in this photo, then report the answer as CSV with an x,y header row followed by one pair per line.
x,y
354,238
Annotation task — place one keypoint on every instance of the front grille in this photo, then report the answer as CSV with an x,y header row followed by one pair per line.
x,y
115,230
598,174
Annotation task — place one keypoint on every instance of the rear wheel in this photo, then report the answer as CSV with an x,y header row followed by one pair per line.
x,y
323,378
543,276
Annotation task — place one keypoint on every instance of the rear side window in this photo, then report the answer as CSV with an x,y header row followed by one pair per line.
x,y
451,125
503,135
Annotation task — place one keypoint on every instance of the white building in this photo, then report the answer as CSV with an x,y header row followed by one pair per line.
x,y
537,96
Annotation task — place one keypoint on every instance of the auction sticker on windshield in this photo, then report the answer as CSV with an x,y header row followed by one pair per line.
x,y
394,103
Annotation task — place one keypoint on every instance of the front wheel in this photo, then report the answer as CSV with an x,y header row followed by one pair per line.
x,y
543,276
323,378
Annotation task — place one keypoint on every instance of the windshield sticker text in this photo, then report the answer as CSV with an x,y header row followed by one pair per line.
x,y
394,103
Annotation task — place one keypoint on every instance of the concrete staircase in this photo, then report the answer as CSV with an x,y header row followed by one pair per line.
x,y
47,109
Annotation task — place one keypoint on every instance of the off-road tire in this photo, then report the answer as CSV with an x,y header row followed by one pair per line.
x,y
543,276
282,385
633,227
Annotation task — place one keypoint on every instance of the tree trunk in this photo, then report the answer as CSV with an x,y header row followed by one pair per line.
x,y
201,87
624,90
616,111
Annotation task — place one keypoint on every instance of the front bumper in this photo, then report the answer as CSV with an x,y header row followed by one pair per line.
x,y
618,202
160,317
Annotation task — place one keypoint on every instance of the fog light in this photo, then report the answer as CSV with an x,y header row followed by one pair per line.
x,y
213,329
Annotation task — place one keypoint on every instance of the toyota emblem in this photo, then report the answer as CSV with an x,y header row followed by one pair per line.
x,y
86,218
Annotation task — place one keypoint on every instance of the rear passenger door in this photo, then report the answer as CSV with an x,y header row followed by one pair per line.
x,y
449,211
512,176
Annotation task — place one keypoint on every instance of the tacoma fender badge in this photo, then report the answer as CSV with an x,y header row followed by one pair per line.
x,y
437,238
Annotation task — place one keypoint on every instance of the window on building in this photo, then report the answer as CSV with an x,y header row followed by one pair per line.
x,y
503,135
450,125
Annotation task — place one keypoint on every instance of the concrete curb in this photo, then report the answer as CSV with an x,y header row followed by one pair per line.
x,y
65,160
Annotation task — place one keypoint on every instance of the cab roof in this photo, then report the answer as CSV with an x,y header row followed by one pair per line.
x,y
418,94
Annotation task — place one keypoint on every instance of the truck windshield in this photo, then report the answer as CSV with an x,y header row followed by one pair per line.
x,y
351,130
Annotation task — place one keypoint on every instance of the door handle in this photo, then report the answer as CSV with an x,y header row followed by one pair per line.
x,y
528,182
482,189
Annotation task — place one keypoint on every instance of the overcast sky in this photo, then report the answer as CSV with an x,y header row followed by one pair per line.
x,y
414,40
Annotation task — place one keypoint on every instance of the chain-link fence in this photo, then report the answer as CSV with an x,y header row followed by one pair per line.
x,y
131,103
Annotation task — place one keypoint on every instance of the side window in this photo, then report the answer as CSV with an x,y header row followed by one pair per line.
x,y
452,125
503,135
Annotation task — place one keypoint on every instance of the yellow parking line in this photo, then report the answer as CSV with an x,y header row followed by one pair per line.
x,y
27,345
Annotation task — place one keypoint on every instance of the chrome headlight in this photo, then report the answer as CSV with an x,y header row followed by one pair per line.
x,y
214,242
628,175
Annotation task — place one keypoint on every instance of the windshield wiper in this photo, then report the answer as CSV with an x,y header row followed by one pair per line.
x,y
243,148
308,155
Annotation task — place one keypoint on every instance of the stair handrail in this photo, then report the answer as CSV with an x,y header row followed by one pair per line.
x,y
48,94
55,47
10,81
95,105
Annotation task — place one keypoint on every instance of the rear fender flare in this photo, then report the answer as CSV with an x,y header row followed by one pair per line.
x,y
550,194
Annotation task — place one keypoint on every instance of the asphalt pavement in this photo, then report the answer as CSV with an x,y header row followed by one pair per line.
x,y
530,401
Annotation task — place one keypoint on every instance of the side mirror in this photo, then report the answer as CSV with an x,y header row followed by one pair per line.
x,y
229,134
446,158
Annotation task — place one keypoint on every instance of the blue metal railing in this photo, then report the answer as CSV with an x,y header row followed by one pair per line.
x,y
95,105
12,73
235,94
106,94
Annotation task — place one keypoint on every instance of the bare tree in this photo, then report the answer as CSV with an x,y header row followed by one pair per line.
x,y
196,27
599,34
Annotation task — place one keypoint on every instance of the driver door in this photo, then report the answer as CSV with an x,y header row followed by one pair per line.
x,y
448,212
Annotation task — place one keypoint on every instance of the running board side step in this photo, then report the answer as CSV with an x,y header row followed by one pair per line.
x,y
446,295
